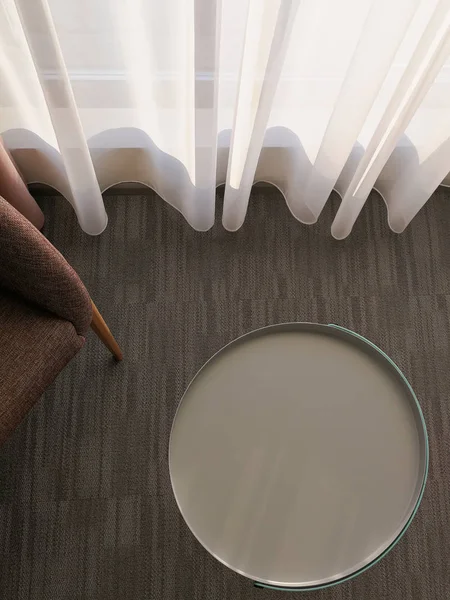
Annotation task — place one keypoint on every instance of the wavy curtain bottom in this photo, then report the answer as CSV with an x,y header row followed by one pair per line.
x,y
282,167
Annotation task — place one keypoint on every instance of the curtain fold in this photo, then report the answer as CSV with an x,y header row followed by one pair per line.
x,y
310,95
268,31
428,58
83,189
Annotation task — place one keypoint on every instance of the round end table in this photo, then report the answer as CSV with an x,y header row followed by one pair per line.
x,y
298,455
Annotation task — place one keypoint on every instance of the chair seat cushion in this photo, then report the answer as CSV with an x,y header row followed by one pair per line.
x,y
34,347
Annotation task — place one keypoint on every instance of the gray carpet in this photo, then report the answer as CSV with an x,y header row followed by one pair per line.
x,y
86,509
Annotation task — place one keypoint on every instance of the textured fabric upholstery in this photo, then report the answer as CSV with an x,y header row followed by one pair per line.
x,y
45,311
31,267
35,347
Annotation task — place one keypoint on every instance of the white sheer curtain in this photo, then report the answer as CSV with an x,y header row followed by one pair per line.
x,y
182,95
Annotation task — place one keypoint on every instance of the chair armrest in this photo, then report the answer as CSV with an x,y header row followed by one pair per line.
x,y
31,267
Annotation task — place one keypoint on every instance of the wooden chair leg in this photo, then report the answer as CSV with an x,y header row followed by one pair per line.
x,y
99,326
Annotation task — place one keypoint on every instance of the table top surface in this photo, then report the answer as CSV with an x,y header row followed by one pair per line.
x,y
298,455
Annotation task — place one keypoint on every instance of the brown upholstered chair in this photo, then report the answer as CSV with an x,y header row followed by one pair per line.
x,y
45,312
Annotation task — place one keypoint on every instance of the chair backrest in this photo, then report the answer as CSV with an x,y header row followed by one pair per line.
x,y
33,268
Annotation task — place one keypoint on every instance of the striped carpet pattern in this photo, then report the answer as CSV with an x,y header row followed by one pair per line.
x,y
86,508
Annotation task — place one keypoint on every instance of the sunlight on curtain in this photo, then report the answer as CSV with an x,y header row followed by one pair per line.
x,y
182,95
